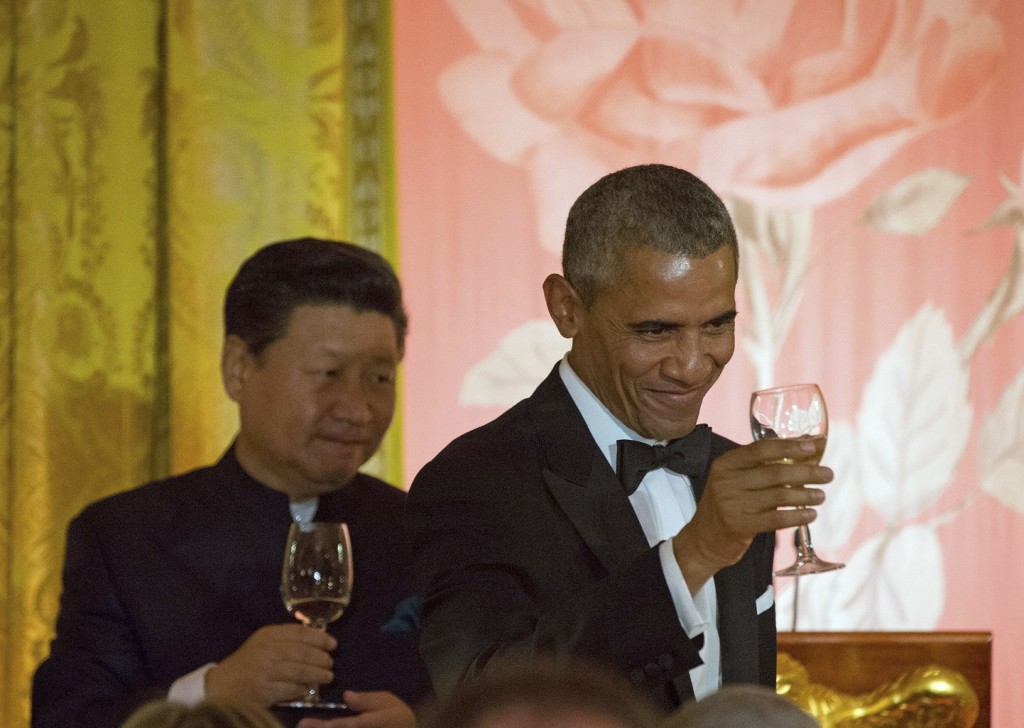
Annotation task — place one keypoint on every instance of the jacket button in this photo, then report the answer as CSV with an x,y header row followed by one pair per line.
x,y
666,661
637,676
654,671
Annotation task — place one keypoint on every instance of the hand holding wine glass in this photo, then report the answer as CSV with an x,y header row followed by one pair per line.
x,y
316,580
794,412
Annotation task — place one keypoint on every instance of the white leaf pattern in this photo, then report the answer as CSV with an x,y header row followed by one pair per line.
x,y
1001,448
891,582
915,418
838,517
523,358
1009,212
916,204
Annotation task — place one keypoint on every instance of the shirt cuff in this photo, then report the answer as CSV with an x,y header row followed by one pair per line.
x,y
190,689
690,617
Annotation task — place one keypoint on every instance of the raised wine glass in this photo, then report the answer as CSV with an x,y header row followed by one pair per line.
x,y
316,582
796,411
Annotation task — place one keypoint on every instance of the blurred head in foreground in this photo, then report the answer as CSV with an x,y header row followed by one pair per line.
x,y
543,693
208,714
741,706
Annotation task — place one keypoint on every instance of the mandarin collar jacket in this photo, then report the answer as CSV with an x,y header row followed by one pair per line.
x,y
162,579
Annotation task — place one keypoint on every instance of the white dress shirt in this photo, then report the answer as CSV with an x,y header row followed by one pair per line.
x,y
664,503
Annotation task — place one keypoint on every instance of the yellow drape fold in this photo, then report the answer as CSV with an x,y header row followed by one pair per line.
x,y
146,148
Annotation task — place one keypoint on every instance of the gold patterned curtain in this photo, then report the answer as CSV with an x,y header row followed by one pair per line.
x,y
146,148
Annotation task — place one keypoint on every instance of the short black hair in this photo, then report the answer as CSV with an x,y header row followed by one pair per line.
x,y
281,276
650,205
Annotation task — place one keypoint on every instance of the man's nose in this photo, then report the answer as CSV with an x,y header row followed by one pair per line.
x,y
687,361
351,402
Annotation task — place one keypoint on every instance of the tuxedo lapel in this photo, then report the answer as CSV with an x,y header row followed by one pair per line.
x,y
737,609
581,480
737,622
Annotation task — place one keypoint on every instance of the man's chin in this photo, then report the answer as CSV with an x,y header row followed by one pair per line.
x,y
329,480
332,460
668,417
663,430
321,477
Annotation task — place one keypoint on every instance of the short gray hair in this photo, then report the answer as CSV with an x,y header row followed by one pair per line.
x,y
651,205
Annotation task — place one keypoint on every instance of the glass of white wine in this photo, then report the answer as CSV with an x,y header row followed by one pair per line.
x,y
316,581
795,411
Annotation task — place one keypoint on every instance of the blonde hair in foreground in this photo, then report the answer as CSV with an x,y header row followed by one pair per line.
x,y
208,714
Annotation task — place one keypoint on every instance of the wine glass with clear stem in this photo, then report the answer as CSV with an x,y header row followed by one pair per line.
x,y
795,411
316,582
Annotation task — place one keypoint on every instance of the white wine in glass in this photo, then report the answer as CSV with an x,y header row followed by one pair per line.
x,y
316,580
795,411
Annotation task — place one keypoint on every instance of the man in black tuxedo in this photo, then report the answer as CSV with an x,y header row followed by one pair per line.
x,y
172,589
525,537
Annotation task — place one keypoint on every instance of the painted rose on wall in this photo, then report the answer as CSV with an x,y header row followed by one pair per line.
x,y
878,254
783,103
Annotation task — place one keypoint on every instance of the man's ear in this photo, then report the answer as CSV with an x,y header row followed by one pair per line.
x,y
235,362
564,304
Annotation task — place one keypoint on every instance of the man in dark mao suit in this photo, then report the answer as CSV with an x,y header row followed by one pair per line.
x,y
527,542
172,589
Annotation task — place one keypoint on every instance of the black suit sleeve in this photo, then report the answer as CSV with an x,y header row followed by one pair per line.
x,y
95,674
523,546
763,554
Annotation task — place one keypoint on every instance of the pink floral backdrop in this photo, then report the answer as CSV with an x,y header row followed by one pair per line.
x,y
872,154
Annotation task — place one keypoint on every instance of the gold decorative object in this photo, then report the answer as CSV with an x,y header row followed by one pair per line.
x,y
926,697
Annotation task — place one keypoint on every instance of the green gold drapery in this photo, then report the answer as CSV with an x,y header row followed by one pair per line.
x,y
146,148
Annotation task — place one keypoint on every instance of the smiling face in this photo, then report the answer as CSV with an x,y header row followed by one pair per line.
x,y
651,345
315,405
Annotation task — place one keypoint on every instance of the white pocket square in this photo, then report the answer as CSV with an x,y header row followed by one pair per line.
x,y
766,600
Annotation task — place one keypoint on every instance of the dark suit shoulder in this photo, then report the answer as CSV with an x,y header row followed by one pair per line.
x,y
372,502
376,491
509,438
720,445
155,496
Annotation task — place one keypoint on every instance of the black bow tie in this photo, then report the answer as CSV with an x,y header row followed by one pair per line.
x,y
686,455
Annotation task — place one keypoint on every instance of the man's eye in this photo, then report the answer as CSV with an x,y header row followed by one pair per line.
x,y
655,331
383,378
715,327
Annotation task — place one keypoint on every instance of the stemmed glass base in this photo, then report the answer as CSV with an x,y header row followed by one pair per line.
x,y
312,704
312,700
291,712
807,562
